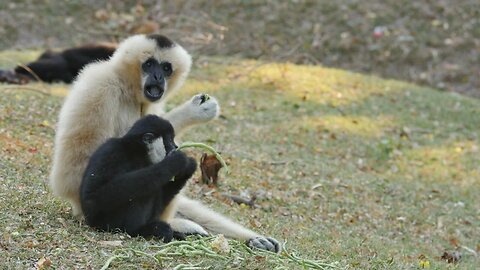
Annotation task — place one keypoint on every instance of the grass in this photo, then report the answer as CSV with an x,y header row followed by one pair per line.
x,y
348,169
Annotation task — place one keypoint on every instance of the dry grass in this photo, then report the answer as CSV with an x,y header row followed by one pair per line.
x,y
347,168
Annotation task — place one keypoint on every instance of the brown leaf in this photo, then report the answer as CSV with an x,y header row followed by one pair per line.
x,y
451,257
43,263
454,242
255,223
209,166
101,15
147,27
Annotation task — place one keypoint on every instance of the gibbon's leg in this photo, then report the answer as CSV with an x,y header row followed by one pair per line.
x,y
217,223
161,229
138,184
187,227
171,189
199,109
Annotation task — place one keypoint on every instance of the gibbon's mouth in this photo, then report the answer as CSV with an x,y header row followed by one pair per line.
x,y
153,92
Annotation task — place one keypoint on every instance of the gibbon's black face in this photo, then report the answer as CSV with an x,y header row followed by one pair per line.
x,y
150,128
156,75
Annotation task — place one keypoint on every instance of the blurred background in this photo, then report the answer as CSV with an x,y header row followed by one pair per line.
x,y
434,43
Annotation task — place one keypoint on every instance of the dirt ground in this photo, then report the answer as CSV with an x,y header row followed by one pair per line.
x,y
434,43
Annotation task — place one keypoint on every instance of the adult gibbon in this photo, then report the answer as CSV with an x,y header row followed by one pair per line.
x,y
124,186
108,97
58,66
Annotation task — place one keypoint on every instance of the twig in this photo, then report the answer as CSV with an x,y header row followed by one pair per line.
x,y
28,88
30,71
240,200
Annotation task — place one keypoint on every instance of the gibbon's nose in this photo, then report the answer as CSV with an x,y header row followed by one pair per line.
x,y
158,76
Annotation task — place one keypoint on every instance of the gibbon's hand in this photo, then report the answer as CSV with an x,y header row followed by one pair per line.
x,y
189,169
175,162
203,108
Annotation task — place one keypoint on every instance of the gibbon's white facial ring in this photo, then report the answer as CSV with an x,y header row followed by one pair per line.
x,y
151,140
155,76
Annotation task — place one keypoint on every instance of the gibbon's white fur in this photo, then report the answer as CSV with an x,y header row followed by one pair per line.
x,y
106,99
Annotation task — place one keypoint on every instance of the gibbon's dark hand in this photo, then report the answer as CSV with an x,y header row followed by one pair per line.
x,y
189,169
175,162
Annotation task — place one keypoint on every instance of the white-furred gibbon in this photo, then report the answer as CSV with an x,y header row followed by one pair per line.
x,y
108,97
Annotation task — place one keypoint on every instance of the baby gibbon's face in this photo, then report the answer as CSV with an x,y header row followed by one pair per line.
x,y
156,133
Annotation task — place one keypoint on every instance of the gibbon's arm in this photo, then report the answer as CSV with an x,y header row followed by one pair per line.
x,y
137,184
199,109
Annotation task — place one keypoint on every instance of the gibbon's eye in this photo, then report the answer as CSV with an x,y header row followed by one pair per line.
x,y
148,63
167,68
148,138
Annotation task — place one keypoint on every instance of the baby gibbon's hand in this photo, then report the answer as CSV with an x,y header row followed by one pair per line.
x,y
175,162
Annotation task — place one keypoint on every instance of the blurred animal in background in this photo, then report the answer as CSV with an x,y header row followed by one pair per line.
x,y
58,66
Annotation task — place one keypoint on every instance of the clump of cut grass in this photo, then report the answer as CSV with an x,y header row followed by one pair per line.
x,y
205,247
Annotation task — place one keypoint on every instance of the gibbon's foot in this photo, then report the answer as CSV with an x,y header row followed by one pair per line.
x,y
179,236
266,243
204,108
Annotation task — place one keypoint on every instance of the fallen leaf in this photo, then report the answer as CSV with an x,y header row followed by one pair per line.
x,y
147,27
220,244
43,263
209,166
454,242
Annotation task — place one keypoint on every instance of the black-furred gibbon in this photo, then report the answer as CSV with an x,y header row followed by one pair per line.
x,y
108,97
59,66
124,189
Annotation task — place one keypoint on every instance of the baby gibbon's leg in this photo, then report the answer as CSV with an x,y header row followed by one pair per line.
x,y
158,229
199,109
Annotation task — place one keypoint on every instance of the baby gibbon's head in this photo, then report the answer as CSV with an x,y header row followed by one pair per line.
x,y
149,129
156,63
